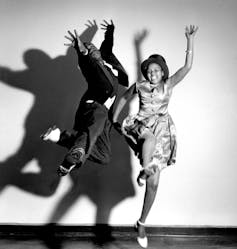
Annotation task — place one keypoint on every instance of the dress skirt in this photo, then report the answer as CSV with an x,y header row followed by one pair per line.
x,y
163,128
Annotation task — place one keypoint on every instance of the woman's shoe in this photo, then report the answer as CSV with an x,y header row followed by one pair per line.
x,y
141,238
141,179
147,171
52,134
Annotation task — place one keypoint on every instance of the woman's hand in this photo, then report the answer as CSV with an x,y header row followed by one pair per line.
x,y
140,36
190,31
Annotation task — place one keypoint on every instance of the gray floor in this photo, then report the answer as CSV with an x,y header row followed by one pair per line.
x,y
103,236
155,242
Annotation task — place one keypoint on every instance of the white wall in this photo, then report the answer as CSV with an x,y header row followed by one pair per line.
x,y
198,190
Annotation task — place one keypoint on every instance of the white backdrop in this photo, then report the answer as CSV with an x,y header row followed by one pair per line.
x,y
200,189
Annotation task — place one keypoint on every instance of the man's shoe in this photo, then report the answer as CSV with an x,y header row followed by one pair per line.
x,y
109,102
52,134
71,160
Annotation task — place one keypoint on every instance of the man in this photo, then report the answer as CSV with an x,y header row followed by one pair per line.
x,y
92,126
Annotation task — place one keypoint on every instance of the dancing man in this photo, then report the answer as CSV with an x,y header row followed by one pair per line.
x,y
91,136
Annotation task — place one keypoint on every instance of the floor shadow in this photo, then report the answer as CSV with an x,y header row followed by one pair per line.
x,y
101,236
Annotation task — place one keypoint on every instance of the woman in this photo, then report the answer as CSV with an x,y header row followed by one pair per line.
x,y
151,130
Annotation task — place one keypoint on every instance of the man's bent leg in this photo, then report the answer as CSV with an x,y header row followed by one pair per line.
x,y
66,139
94,123
72,159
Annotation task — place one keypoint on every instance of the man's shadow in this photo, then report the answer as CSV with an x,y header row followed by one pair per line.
x,y
57,86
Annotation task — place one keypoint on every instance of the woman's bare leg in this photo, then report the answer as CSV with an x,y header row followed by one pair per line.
x,y
150,194
148,147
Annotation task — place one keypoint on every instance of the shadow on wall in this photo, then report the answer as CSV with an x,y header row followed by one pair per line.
x,y
57,86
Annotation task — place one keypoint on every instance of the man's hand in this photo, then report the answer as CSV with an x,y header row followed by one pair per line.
x,y
75,42
108,27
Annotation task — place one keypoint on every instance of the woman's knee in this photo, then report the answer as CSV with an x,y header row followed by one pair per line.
x,y
153,180
152,183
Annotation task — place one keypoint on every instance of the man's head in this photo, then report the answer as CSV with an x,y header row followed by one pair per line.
x,y
93,51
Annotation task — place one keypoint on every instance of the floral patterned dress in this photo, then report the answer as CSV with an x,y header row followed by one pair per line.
x,y
153,115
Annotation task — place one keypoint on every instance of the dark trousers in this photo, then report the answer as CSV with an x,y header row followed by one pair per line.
x,y
92,134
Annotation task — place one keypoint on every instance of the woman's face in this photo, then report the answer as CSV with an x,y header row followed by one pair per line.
x,y
154,73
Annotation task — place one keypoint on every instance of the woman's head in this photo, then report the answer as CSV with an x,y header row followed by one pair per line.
x,y
153,67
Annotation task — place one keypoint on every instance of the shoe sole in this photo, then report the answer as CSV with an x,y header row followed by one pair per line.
x,y
44,136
